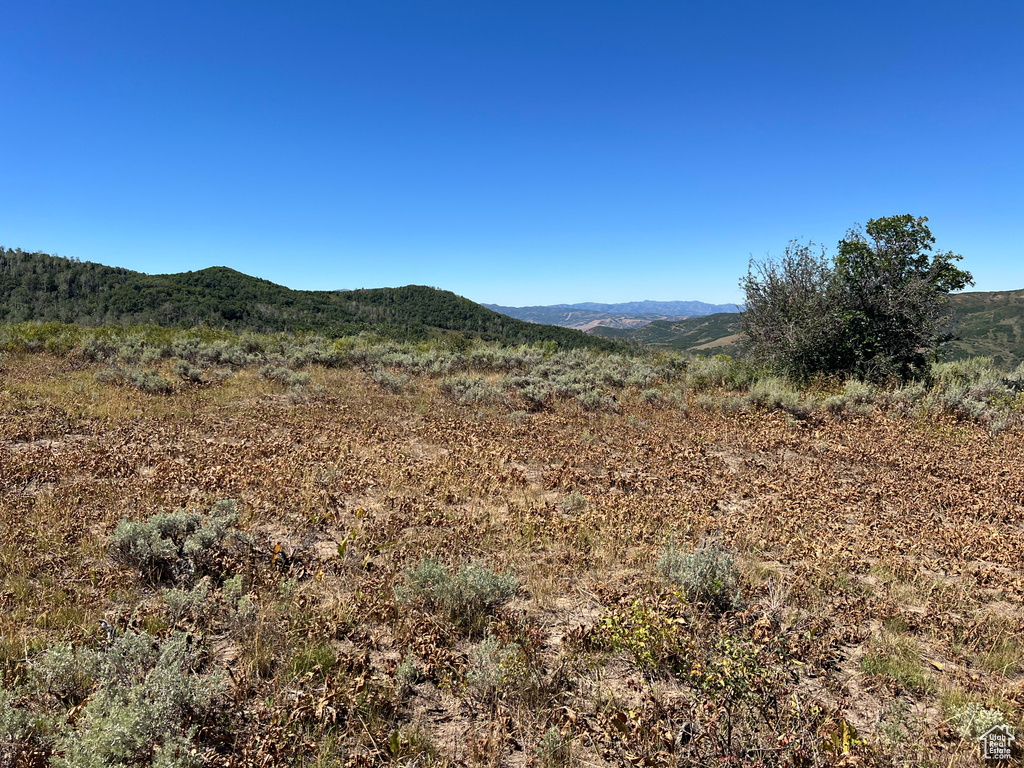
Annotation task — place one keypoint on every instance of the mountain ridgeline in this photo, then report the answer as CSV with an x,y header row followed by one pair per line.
x,y
36,286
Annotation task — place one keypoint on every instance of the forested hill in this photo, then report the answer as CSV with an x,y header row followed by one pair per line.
x,y
35,286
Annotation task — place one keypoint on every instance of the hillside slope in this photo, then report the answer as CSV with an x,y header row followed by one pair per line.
x,y
989,324
711,334
35,286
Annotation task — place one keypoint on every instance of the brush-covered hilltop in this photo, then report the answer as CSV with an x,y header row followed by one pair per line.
x,y
984,323
37,286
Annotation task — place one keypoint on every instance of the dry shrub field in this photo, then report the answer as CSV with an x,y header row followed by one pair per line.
x,y
407,579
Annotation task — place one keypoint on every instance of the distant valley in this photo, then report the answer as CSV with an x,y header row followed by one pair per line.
x,y
589,316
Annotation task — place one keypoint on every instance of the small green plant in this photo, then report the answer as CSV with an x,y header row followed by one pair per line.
x,y
467,597
318,658
897,659
573,503
651,635
553,750
407,675
707,575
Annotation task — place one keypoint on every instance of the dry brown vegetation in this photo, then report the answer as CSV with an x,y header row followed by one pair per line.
x,y
879,557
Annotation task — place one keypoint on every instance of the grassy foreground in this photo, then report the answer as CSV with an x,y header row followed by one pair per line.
x,y
402,556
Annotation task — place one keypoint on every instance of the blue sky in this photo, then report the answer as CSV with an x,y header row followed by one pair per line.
x,y
513,152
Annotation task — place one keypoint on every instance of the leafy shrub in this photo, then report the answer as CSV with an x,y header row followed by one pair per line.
x,y
177,545
708,574
876,310
466,597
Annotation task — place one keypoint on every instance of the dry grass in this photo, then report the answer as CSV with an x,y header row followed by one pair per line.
x,y
880,558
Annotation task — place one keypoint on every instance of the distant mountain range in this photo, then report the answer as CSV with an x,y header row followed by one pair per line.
x,y
36,286
988,324
590,315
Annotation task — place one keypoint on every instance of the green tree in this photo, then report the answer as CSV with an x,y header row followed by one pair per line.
x,y
876,310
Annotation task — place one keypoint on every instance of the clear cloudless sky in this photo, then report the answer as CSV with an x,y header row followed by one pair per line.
x,y
513,152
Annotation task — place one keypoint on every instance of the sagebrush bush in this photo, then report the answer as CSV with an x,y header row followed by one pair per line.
x,y
466,597
775,393
495,668
469,389
146,709
150,382
188,372
16,724
176,546
553,750
595,400
972,720
391,382
285,376
707,575
718,371
111,375
59,674
194,603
